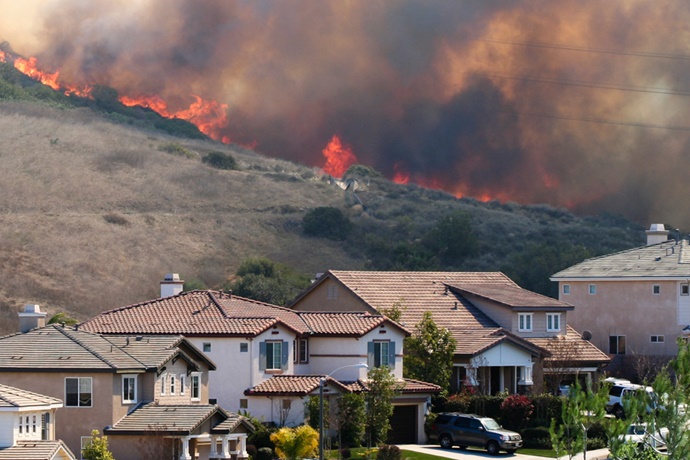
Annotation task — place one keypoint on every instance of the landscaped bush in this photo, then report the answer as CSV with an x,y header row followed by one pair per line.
x,y
264,453
516,411
389,452
345,453
536,438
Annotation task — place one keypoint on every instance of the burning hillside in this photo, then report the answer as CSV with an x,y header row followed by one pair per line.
x,y
573,103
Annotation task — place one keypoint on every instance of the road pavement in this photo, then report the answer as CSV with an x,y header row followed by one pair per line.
x,y
469,454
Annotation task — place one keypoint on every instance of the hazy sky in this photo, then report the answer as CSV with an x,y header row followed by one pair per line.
x,y
576,103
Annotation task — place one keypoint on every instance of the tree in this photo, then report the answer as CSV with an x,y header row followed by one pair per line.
x,y
452,238
429,353
267,281
296,443
219,160
351,419
327,222
97,448
62,318
379,404
582,408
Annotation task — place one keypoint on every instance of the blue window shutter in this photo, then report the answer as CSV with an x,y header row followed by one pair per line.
x,y
286,355
391,354
262,356
370,355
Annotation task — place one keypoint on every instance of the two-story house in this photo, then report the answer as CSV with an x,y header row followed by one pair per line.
x,y
144,393
635,302
507,337
271,359
27,426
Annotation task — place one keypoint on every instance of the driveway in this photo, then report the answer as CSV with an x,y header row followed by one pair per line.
x,y
469,454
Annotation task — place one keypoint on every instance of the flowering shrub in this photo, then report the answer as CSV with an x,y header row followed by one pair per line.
x,y
516,411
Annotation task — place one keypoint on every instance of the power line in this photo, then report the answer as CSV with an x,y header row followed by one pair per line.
x,y
585,84
598,120
682,57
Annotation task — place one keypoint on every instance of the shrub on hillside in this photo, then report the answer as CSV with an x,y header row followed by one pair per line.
x,y
327,222
176,149
220,160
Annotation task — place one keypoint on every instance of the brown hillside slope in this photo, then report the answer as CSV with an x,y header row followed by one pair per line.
x,y
92,214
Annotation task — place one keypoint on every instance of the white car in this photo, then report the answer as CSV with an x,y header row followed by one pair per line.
x,y
637,433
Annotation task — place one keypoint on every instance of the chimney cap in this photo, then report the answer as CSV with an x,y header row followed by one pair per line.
x,y
171,277
32,308
657,228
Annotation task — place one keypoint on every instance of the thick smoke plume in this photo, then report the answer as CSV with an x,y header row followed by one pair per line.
x,y
575,103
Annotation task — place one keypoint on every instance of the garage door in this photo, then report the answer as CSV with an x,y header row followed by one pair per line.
x,y
403,425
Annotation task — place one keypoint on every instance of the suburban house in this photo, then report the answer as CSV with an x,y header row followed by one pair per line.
x,y
147,394
633,303
507,338
27,426
272,359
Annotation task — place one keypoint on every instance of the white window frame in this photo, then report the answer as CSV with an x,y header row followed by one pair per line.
x,y
272,364
126,377
523,320
195,386
382,353
566,289
552,320
182,384
657,339
592,289
164,383
172,382
79,384
656,289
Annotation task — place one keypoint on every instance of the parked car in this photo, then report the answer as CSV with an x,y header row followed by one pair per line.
x,y
637,433
463,430
624,389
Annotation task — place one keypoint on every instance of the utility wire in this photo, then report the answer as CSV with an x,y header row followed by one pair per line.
x,y
598,120
683,57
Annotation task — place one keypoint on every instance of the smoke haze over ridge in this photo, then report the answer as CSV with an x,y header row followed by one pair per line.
x,y
582,104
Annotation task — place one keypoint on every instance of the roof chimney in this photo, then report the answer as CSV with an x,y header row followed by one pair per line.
x,y
171,285
31,318
656,234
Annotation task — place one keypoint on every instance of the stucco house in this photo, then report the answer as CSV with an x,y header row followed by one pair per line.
x,y
144,393
507,338
272,359
27,426
633,303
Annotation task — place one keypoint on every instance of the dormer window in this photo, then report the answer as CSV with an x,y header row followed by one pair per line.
x,y
525,322
553,322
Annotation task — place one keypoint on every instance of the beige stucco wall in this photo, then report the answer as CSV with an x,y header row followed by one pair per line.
x,y
71,422
626,308
317,299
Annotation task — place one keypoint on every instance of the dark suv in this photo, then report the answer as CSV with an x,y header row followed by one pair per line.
x,y
463,430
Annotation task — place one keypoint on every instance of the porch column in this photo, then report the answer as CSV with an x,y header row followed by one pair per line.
x,y
184,455
225,449
214,447
242,448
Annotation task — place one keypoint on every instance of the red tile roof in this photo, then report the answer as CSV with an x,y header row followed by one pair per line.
x,y
302,385
209,313
570,348
514,297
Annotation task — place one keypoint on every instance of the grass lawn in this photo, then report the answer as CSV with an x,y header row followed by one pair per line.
x,y
360,453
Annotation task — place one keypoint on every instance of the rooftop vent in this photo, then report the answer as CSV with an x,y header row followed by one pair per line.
x,y
171,285
656,234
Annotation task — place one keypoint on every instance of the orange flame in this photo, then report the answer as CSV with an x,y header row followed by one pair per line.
x,y
338,157
401,176
3,57
28,67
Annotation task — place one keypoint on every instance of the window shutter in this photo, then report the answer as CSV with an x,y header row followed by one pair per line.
x,y
286,355
262,356
391,354
370,355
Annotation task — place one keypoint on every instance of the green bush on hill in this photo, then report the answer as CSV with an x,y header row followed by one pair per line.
x,y
219,160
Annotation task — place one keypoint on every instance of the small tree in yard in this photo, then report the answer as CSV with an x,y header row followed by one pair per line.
x,y
379,400
97,449
581,410
295,443
351,418
429,353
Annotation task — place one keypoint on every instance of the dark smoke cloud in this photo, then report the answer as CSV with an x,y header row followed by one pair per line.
x,y
465,95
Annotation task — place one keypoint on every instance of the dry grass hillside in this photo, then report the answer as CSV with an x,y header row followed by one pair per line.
x,y
93,214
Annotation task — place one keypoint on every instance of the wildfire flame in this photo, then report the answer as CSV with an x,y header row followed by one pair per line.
x,y
338,157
